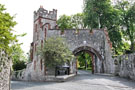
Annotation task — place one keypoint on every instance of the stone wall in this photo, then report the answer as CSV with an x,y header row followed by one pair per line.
x,y
95,42
98,40
125,66
5,64
18,75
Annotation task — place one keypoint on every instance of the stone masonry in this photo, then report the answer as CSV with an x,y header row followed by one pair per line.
x,y
97,43
5,65
125,66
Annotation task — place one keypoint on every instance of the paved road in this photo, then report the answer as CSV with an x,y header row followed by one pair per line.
x,y
83,81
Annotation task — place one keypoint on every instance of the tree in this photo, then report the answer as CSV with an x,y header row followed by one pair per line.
x,y
85,60
18,58
101,14
19,65
127,10
77,21
6,38
55,52
6,31
71,22
130,26
95,13
64,22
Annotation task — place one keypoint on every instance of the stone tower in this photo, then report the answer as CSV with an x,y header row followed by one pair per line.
x,y
44,20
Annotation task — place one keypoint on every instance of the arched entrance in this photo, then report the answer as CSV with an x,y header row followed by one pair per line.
x,y
96,58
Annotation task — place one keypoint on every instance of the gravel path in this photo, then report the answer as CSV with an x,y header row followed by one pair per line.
x,y
83,81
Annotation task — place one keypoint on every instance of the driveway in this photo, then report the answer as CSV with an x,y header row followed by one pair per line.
x,y
83,81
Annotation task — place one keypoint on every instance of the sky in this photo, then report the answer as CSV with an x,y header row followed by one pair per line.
x,y
23,11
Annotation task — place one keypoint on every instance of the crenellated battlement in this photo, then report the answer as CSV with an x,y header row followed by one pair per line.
x,y
41,12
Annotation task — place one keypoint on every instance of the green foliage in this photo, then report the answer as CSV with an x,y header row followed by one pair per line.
x,y
6,34
55,52
64,22
96,13
6,25
19,65
18,57
71,22
84,60
130,24
77,21
7,40
21,35
127,21
100,14
116,39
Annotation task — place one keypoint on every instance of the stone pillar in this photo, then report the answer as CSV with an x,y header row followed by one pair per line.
x,y
5,64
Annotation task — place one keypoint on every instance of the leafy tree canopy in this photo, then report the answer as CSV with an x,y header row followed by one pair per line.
x,y
55,52
127,21
77,21
19,59
101,13
6,31
64,22
96,13
71,22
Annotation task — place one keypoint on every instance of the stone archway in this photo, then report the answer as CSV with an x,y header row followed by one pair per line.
x,y
88,49
97,60
97,43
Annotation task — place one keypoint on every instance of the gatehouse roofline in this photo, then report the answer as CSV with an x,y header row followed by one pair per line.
x,y
79,29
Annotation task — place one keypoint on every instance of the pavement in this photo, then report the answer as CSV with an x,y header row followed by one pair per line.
x,y
83,81
61,78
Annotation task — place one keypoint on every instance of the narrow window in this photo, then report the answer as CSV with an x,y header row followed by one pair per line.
x,y
45,33
36,28
49,26
34,65
41,64
40,22
41,43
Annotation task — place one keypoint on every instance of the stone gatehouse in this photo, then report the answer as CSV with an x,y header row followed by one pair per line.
x,y
96,43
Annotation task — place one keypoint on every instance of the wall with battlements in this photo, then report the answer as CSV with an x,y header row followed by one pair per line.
x,y
97,40
45,27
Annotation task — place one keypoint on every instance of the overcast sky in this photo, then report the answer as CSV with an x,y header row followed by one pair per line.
x,y
23,9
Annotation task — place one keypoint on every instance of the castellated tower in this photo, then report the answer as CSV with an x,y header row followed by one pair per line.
x,y
44,20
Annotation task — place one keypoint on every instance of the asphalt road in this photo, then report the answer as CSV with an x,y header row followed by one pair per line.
x,y
83,81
